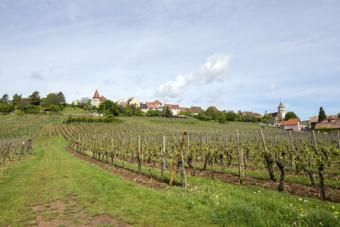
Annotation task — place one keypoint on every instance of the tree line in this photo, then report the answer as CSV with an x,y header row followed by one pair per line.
x,y
33,104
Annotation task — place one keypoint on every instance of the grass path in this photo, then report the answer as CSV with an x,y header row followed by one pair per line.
x,y
52,175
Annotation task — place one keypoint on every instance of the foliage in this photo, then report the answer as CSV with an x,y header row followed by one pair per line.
x,y
54,99
108,108
5,107
167,112
34,98
90,119
154,113
322,114
290,115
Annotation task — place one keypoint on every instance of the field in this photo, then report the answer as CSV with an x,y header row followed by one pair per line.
x,y
120,174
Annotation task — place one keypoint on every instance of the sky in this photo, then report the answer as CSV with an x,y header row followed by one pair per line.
x,y
236,55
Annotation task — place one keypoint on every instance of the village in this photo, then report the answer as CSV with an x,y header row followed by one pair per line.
x,y
282,118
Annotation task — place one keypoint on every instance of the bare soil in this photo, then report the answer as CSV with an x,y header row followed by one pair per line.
x,y
68,213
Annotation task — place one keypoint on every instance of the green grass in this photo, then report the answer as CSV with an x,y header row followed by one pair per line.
x,y
70,110
52,174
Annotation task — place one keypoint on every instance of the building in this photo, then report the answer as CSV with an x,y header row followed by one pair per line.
x,y
194,110
133,102
279,115
174,108
332,122
155,105
292,124
97,99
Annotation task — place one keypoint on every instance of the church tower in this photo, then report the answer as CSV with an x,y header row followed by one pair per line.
x,y
281,112
96,99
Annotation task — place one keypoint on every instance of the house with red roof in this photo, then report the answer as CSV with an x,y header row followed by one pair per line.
x,y
292,124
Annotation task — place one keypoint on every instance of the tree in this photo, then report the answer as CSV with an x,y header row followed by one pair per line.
x,y
290,115
62,98
338,115
4,98
16,99
212,112
35,98
153,113
108,108
230,116
54,99
167,112
322,114
5,107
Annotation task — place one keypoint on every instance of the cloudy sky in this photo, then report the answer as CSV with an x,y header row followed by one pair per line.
x,y
236,55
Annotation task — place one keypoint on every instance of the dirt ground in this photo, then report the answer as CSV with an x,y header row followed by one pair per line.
x,y
68,213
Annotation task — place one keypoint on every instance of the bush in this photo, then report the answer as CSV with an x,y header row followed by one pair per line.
x,y
90,119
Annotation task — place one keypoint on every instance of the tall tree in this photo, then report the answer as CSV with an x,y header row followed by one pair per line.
x,y
16,99
108,108
290,115
322,114
62,98
35,98
4,98
167,112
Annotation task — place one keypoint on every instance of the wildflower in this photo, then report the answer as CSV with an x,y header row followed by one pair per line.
x,y
300,199
305,201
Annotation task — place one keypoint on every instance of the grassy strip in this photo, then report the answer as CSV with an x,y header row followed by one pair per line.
x,y
53,174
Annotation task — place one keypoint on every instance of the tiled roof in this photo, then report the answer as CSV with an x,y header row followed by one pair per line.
x,y
96,95
291,122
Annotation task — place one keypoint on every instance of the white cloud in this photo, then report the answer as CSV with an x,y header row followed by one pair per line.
x,y
214,70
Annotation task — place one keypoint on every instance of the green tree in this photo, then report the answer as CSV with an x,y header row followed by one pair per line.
x,y
16,99
322,114
290,115
4,98
62,98
212,112
5,107
167,112
35,98
230,116
108,108
154,113
54,99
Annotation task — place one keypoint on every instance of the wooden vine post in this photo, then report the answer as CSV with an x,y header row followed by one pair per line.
x,y
163,153
268,160
178,163
139,160
240,159
320,168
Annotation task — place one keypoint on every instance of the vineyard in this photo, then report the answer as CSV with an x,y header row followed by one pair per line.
x,y
165,172
17,133
170,152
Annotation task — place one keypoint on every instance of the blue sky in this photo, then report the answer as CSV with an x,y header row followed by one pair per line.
x,y
237,55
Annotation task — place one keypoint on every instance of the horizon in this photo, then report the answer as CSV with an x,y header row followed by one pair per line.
x,y
235,55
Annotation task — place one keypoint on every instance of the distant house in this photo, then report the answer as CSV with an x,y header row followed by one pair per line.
x,y
155,105
122,103
313,121
194,110
251,114
97,99
133,102
332,122
292,124
174,108
279,115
